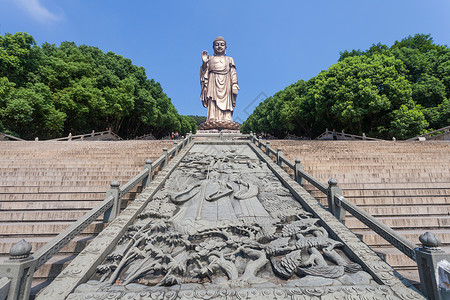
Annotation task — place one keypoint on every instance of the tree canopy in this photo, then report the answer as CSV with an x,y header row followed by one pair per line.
x,y
400,91
49,91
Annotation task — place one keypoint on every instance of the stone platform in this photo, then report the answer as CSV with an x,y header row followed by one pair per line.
x,y
219,125
218,131
223,221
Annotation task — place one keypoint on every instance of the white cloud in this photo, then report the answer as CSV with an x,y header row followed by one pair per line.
x,y
37,11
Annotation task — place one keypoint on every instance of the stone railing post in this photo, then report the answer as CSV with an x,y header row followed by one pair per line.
x,y
279,154
434,268
69,136
182,142
114,211
267,148
175,144
251,136
221,135
334,207
148,179
19,269
166,157
297,167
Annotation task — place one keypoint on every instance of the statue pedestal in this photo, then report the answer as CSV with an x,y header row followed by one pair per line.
x,y
218,131
220,126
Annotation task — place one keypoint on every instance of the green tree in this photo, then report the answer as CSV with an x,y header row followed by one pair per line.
x,y
29,112
19,57
384,91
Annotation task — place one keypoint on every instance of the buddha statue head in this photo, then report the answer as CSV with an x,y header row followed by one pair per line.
x,y
220,46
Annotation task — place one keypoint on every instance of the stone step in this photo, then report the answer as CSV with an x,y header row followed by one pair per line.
x,y
59,197
353,193
37,242
372,239
71,181
411,210
26,173
382,172
393,201
394,185
41,228
428,222
41,215
364,180
48,205
395,258
52,196
53,266
362,177
50,189
378,180
436,210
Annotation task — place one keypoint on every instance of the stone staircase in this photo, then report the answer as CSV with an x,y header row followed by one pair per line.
x,y
46,186
406,185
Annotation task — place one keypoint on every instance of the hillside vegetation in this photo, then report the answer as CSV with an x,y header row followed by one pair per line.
x,y
49,91
400,91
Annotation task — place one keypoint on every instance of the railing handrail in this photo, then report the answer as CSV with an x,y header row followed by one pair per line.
x,y
144,136
87,135
124,189
11,137
314,181
271,150
286,162
428,134
398,241
343,134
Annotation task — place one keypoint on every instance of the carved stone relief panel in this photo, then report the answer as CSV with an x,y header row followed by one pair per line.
x,y
224,223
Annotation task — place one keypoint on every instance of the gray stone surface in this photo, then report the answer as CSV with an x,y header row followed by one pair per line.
x,y
4,287
229,223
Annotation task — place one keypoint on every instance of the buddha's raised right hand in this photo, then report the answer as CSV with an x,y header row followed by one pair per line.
x,y
205,56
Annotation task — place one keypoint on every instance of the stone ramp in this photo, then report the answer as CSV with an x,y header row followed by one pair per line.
x,y
406,185
46,186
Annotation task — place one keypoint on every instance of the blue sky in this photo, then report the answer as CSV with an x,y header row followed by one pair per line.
x,y
274,43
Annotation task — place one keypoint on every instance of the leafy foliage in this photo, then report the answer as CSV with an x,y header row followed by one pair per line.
x,y
48,91
198,119
400,91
